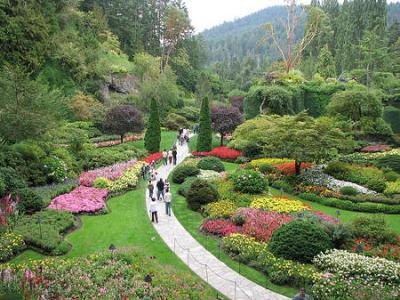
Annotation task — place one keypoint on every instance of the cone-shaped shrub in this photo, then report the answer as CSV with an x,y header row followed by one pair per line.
x,y
204,140
152,138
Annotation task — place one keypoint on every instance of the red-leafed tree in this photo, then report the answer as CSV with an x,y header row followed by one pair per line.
x,y
121,119
225,120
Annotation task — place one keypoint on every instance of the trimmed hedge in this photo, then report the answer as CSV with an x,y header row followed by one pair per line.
x,y
211,163
201,192
348,205
182,172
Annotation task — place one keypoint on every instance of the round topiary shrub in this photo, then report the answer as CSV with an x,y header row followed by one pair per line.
x,y
211,163
250,182
29,201
201,192
349,191
299,240
337,169
182,172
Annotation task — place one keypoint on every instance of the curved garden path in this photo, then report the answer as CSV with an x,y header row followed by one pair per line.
x,y
203,263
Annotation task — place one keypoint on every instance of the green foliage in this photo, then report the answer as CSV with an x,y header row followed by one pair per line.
x,y
249,181
190,113
52,224
201,192
282,185
204,140
373,229
185,186
180,173
299,240
152,138
392,188
211,163
174,121
390,162
349,191
11,180
30,201
49,192
392,116
326,64
392,176
338,169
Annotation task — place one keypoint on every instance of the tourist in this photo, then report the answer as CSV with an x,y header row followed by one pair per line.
x,y
165,157
160,189
153,165
166,184
302,295
168,198
150,187
153,175
174,155
144,171
153,210
170,157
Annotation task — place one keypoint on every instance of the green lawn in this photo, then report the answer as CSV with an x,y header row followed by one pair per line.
x,y
215,142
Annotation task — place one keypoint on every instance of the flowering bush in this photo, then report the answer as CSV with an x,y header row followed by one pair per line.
x,y
101,276
128,180
279,271
208,175
248,181
325,217
219,227
376,148
289,168
352,264
81,200
258,163
10,244
318,190
153,157
365,247
392,188
111,172
224,153
261,224
279,204
220,209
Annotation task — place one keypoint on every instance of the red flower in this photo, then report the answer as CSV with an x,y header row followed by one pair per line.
x,y
155,156
224,153
289,168
220,227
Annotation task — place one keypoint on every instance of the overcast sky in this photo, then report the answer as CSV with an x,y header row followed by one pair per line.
x,y
208,13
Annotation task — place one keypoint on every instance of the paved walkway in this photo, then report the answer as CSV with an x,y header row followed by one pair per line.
x,y
203,263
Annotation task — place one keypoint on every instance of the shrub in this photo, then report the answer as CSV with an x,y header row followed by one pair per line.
x,y
11,180
299,240
182,172
56,170
49,192
211,163
201,192
250,182
340,233
185,186
281,184
337,169
30,201
10,244
390,161
373,229
174,122
102,183
393,188
392,176
392,116
376,184
349,190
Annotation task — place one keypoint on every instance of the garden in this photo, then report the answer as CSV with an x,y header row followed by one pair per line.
x,y
333,228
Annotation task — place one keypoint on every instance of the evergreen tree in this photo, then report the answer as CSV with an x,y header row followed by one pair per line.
x,y
204,140
326,64
152,138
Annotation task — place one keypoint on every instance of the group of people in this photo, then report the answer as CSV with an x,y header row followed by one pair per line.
x,y
183,136
163,194
170,156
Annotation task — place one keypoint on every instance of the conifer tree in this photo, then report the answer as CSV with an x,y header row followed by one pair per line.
x,y
204,140
152,138
326,64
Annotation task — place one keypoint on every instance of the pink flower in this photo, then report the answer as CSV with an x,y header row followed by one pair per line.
x,y
220,227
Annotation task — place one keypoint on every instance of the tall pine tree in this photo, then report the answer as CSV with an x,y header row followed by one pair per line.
x,y
204,140
326,64
152,138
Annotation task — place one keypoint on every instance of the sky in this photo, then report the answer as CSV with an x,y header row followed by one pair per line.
x,y
208,13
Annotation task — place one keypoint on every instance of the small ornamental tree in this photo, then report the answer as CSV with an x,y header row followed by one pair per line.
x,y
152,138
225,120
121,119
204,140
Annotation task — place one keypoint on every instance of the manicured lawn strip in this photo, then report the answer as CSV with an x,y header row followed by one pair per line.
x,y
192,220
392,220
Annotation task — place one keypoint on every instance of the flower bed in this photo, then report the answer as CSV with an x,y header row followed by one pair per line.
x,y
111,173
223,152
279,204
376,148
219,227
153,157
220,209
388,251
257,163
100,276
208,175
81,200
11,243
261,224
289,168
128,138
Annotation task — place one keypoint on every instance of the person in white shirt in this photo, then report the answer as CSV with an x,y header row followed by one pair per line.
x,y
167,199
153,210
165,157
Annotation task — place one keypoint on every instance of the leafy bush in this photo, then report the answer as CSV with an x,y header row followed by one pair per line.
x,y
248,181
392,116
211,163
182,172
174,122
281,184
299,240
373,229
189,113
337,169
339,233
376,184
48,192
56,170
349,190
393,188
185,186
30,201
10,244
201,192
392,176
102,183
11,180
52,224
390,161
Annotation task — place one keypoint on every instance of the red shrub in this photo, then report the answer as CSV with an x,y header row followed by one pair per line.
x,y
289,168
376,148
219,227
155,156
224,153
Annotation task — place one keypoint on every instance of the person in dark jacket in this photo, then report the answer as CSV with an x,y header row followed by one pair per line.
x,y
160,189
150,187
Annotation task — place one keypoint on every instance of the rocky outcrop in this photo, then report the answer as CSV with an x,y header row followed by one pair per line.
x,y
122,84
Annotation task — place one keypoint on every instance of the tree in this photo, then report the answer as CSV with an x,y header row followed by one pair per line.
x,y
152,138
303,139
225,120
326,63
121,119
204,140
